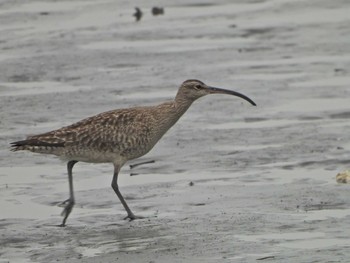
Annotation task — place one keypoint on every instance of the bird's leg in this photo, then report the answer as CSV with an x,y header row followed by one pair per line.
x,y
115,187
69,203
137,164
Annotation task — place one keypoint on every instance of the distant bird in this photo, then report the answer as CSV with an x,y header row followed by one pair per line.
x,y
117,136
138,14
157,11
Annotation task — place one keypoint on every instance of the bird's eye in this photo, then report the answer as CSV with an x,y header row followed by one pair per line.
x,y
197,86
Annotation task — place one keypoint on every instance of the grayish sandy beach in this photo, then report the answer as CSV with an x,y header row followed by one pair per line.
x,y
230,182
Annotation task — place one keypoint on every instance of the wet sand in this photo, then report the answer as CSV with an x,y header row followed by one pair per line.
x,y
230,182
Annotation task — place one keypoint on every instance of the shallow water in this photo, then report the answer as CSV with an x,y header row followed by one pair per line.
x,y
230,182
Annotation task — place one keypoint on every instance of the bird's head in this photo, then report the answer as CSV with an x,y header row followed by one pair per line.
x,y
193,89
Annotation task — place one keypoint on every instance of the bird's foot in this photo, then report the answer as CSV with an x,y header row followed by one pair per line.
x,y
68,207
132,217
64,203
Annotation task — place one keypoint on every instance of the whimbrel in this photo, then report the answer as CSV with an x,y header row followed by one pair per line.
x,y
116,136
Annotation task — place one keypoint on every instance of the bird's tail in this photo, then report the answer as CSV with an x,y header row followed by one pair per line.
x,y
34,145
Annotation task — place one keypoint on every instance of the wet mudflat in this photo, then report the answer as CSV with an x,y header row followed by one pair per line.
x,y
230,182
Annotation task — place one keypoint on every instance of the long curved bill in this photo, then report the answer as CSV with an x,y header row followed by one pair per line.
x,y
214,90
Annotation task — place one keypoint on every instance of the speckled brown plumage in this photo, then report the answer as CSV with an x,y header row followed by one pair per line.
x,y
117,136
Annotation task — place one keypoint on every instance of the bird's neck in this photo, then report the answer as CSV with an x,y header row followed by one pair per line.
x,y
181,104
173,111
167,114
